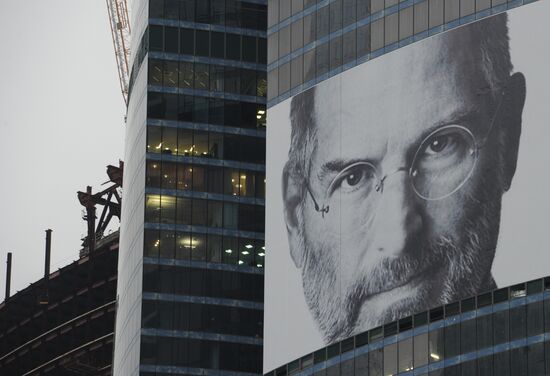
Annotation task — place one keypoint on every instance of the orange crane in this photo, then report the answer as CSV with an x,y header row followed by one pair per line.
x,y
120,31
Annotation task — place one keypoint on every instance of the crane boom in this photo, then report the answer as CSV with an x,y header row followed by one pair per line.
x,y
120,31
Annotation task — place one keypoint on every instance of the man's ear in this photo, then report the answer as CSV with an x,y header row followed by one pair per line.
x,y
292,199
511,110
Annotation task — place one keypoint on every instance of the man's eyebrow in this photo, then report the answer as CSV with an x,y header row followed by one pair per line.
x,y
336,165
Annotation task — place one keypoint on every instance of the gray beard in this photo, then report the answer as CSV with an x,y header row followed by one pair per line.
x,y
463,266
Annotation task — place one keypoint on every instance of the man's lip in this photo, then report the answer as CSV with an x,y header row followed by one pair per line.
x,y
411,281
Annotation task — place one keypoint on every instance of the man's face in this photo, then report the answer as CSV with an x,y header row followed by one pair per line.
x,y
375,258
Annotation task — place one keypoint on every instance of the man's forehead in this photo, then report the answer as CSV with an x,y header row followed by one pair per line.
x,y
399,94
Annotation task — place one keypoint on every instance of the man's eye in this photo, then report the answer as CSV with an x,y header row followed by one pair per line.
x,y
440,144
355,177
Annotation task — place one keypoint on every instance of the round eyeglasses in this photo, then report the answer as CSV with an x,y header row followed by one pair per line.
x,y
441,165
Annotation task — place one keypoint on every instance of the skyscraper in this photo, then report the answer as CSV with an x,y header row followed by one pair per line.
x,y
190,291
404,213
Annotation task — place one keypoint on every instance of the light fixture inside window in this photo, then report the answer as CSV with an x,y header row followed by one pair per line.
x,y
245,253
229,251
241,262
248,246
261,254
259,265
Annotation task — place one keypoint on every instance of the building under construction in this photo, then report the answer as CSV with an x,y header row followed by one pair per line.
x,y
63,324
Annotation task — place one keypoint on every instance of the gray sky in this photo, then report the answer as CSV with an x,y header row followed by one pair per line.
x,y
61,124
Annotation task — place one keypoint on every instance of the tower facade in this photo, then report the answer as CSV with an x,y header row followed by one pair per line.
x,y
404,149
190,291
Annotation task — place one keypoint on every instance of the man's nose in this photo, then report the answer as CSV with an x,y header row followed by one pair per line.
x,y
398,220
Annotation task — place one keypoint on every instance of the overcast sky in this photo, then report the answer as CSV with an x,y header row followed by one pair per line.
x,y
61,124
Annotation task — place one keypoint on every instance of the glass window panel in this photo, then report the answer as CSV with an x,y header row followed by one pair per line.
x,y
169,140
420,347
184,209
363,41
217,12
187,41
309,28
215,145
155,108
171,39
517,323
170,73
200,113
376,362
260,185
186,75
154,139
248,82
216,109
199,177
246,252
249,48
198,247
484,331
297,34
547,315
323,22
215,179
260,253
405,23
535,319
247,184
152,208
322,58
467,7
482,5
518,361
171,9
390,359
233,46
349,12
485,366
377,5
230,215
185,180
535,359
262,50
363,9
452,10
170,106
155,72
167,243
469,368
261,89
284,41
349,47
309,66
200,143
284,78
362,364
501,362
377,34
216,78
272,12
156,8
389,3
436,345
273,83
153,174
151,243
202,76
436,12
232,80
391,33
155,38
296,71
168,175
167,209
202,45
405,352
246,218
452,341
501,327
185,141
199,212
185,110
335,9
335,46
230,247
284,9
231,182
214,248
217,44
297,6
214,214
468,336
187,10
202,11
421,17
272,47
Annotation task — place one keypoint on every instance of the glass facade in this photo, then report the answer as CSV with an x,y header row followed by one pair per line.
x,y
312,40
503,332
195,223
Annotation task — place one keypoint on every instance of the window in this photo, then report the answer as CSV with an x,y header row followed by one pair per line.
x,y
187,41
296,75
233,46
155,38
322,59
391,31
420,350
406,23
309,28
297,31
217,41
202,41
171,9
309,67
187,10
405,352
436,12
390,359
377,34
349,9
349,47
335,46
170,73
249,49
322,22
284,41
335,9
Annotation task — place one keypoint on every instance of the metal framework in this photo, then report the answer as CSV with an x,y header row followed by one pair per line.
x,y
110,198
120,31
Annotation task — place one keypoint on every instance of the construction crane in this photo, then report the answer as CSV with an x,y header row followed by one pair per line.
x,y
120,30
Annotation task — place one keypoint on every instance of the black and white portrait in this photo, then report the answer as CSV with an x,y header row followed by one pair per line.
x,y
395,177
